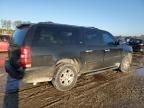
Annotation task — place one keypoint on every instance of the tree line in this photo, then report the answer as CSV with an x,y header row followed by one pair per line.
x,y
8,26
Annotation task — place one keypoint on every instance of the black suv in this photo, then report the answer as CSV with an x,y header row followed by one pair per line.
x,y
137,45
60,53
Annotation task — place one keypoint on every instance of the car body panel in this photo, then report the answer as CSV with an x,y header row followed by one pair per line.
x,y
112,55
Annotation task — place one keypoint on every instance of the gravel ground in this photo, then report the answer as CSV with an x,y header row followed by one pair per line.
x,y
105,90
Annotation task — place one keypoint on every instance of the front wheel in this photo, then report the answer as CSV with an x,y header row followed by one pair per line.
x,y
65,77
126,63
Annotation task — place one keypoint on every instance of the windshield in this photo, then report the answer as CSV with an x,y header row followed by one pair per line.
x,y
18,36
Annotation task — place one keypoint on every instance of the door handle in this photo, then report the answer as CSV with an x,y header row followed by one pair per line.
x,y
107,50
89,51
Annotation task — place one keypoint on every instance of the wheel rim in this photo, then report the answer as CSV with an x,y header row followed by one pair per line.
x,y
66,77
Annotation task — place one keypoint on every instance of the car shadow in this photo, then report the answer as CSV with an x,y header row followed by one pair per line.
x,y
11,98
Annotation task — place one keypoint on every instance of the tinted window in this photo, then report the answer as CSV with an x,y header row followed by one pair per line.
x,y
131,41
135,41
18,36
4,38
138,41
93,38
56,36
108,38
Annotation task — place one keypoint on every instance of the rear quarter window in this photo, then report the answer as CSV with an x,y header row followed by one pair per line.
x,y
19,35
46,36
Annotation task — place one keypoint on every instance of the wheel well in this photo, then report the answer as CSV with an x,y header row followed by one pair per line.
x,y
74,61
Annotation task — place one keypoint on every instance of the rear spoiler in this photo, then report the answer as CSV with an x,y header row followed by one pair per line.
x,y
24,25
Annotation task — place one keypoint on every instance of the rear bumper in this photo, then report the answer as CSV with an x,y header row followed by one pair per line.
x,y
30,75
5,50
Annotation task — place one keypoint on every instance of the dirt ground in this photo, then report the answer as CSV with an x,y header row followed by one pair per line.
x,y
105,90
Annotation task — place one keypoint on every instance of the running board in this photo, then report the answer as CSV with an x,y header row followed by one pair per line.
x,y
93,72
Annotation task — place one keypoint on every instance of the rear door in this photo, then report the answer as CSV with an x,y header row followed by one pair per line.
x,y
44,41
94,53
112,51
52,42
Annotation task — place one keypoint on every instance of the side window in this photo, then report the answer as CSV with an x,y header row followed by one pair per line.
x,y
56,36
93,38
108,38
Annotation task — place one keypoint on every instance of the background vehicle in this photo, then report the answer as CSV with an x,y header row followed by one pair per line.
x,y
4,42
137,44
60,53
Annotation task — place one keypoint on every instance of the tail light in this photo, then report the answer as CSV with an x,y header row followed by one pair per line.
x,y
25,57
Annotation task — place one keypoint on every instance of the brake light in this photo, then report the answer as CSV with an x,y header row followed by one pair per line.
x,y
25,57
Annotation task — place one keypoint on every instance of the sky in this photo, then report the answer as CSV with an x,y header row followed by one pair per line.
x,y
120,17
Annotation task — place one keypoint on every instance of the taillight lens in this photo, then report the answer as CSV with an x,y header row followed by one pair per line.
x,y
25,57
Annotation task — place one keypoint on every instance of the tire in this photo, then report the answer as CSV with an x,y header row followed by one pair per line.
x,y
65,77
126,63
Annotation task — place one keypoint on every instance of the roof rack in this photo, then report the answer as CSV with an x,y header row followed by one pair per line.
x,y
92,28
49,22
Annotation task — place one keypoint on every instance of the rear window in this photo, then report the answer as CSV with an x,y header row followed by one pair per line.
x,y
4,38
18,36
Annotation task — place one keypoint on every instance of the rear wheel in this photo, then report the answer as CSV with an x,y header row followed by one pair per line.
x,y
126,63
65,77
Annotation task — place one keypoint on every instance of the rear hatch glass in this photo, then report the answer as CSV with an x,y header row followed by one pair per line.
x,y
18,36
